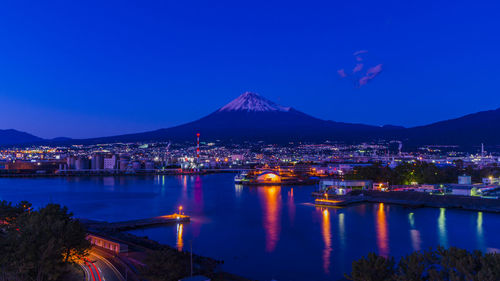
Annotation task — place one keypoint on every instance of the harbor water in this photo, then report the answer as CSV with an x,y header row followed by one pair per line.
x,y
264,233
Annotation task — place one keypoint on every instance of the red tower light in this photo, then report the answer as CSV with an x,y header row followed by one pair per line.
x,y
198,147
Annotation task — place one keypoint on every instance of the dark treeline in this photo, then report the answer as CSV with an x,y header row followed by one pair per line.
x,y
436,265
39,244
166,263
420,172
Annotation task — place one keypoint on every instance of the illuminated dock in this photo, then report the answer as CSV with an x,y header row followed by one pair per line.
x,y
338,202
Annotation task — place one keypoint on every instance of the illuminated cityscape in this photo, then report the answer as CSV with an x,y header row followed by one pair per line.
x,y
249,140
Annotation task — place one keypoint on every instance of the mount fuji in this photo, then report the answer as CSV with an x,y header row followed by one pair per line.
x,y
254,118
251,117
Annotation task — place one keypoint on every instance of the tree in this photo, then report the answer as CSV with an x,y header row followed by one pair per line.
x,y
372,268
10,213
412,267
40,245
166,264
442,264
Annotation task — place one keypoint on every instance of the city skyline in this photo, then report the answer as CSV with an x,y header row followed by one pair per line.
x,y
116,68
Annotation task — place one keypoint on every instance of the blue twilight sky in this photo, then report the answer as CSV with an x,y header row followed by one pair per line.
x,y
98,68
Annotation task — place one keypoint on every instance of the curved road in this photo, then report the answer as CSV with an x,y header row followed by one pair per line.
x,y
98,268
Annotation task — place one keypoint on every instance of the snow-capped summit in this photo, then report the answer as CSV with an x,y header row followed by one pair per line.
x,y
252,102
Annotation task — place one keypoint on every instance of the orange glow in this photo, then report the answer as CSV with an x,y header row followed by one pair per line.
x,y
327,239
271,203
328,201
180,242
269,177
381,228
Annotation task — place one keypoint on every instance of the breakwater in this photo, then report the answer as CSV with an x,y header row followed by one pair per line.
x,y
138,223
411,199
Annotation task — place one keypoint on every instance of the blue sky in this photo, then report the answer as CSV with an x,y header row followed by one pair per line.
x,y
99,68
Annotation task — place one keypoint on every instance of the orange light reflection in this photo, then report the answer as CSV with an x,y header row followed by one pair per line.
x,y
381,228
180,242
327,238
271,203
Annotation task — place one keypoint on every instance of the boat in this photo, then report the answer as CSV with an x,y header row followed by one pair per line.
x,y
240,178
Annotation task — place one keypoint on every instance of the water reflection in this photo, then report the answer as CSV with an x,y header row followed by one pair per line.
x,y
327,239
179,243
414,234
108,181
411,219
238,189
416,242
342,230
381,228
162,179
291,206
270,197
198,203
198,192
184,182
443,237
480,234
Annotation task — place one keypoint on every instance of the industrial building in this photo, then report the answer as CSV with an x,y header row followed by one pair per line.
x,y
342,187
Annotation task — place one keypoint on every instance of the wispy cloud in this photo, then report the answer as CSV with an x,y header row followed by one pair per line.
x,y
371,73
361,73
357,68
360,52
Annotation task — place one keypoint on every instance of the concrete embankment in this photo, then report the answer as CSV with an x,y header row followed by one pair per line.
x,y
138,223
418,199
115,173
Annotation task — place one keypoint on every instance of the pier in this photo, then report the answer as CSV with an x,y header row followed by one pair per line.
x,y
138,223
338,202
408,199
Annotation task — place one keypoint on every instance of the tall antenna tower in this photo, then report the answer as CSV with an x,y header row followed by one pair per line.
x,y
198,148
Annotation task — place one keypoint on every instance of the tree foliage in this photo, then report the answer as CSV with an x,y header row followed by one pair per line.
x,y
38,245
420,172
372,268
167,263
442,264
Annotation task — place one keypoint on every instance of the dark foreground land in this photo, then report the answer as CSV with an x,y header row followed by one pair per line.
x,y
149,260
48,244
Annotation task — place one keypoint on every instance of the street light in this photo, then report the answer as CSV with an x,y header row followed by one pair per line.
x,y
180,209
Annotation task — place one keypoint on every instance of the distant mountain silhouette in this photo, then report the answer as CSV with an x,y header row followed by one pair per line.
x,y
472,129
251,117
11,136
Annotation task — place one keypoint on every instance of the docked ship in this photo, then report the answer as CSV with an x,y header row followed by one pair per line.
x,y
241,178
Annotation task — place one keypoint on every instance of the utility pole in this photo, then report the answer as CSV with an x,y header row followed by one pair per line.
x,y
191,258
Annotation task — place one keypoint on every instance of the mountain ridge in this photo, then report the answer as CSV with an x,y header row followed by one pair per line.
x,y
254,118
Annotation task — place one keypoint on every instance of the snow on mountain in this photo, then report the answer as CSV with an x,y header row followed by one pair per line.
x,y
252,102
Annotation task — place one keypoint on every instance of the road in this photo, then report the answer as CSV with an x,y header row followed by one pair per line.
x,y
98,268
